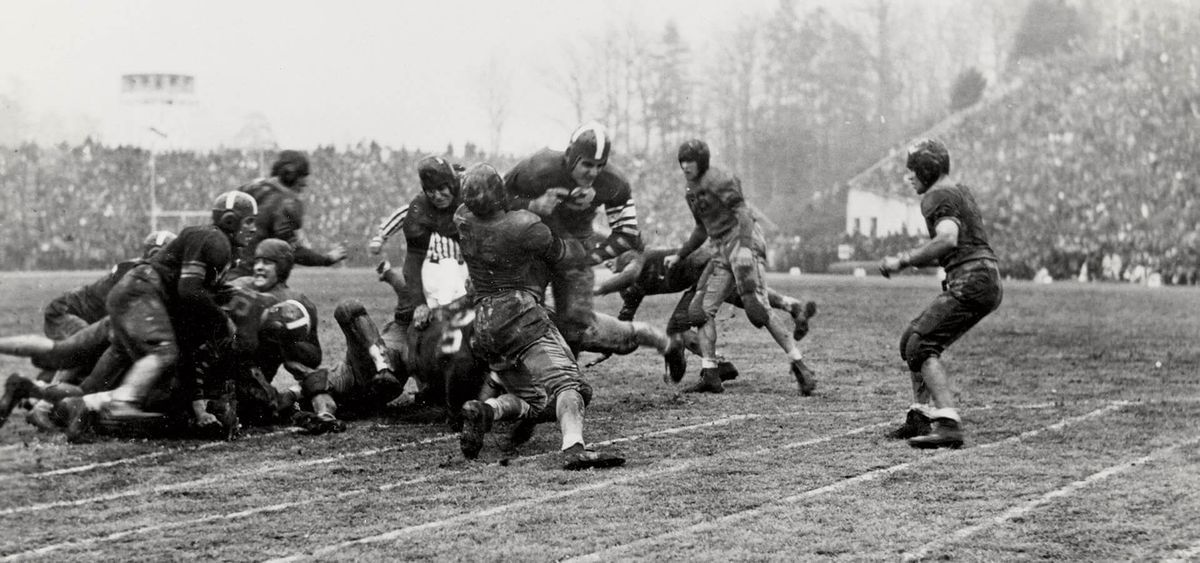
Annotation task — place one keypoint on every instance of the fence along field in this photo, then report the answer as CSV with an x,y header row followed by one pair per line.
x,y
1079,447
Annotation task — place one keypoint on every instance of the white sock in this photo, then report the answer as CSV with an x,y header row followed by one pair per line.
x,y
96,401
947,412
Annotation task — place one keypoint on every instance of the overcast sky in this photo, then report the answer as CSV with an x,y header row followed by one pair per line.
x,y
401,72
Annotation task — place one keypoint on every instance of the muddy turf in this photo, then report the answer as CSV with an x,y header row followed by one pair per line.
x,y
1081,403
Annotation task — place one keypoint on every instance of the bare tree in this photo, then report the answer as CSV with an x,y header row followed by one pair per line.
x,y
496,93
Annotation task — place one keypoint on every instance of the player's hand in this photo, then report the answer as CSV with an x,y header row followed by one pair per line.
x,y
889,265
206,420
375,246
545,204
743,259
421,317
337,254
671,261
580,199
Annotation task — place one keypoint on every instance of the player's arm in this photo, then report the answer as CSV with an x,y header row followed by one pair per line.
x,y
524,194
388,227
625,278
286,225
945,240
625,236
200,263
540,242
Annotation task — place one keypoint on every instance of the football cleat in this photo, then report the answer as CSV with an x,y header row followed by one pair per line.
x,y
42,419
477,421
317,424
77,418
800,315
726,370
943,433
385,387
916,423
710,382
578,457
16,389
805,378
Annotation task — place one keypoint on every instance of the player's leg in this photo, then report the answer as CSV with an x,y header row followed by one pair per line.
x,y
366,351
142,328
800,311
972,293
752,287
550,362
719,284
522,399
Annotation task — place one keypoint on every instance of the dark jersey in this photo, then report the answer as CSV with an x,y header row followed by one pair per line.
x,y
88,302
207,247
717,205
955,203
502,252
268,356
656,279
420,221
547,169
281,216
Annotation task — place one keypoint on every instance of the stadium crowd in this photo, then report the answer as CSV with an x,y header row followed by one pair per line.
x,y
1104,186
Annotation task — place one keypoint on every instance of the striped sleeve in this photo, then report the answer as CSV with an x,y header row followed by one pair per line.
x,y
622,219
393,223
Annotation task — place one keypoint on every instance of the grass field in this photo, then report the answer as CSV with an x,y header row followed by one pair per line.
x,y
1082,404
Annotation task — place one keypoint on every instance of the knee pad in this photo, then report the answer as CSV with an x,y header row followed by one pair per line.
x,y
585,391
315,382
347,310
915,350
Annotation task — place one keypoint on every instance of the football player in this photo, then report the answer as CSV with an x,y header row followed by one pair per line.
x,y
281,214
76,334
429,233
176,288
505,253
638,274
565,189
722,216
971,291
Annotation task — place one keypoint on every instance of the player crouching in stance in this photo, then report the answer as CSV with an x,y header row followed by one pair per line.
x,y
971,291
176,288
513,332
722,216
638,274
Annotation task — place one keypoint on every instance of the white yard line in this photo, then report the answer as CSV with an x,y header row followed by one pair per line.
x,y
675,468
386,487
136,458
268,468
623,551
1190,553
1021,510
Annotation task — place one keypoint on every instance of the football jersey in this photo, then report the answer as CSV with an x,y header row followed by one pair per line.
x,y
656,279
717,204
956,203
205,246
546,169
502,252
88,302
